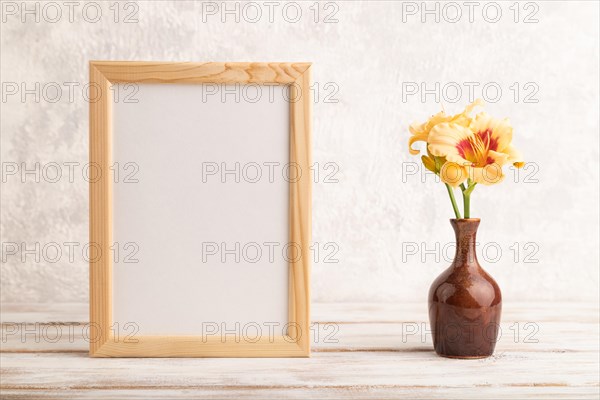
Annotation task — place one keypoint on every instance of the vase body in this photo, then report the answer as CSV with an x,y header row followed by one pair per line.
x,y
465,302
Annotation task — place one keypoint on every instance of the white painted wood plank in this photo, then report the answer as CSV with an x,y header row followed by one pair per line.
x,y
369,360
333,393
515,336
360,370
537,327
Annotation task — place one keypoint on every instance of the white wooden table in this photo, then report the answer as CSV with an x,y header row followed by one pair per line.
x,y
547,350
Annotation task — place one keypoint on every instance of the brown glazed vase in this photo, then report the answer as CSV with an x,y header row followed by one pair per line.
x,y
464,301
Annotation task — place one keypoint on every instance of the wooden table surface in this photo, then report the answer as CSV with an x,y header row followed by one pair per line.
x,y
547,350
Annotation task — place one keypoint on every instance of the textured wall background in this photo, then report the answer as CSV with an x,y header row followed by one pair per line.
x,y
373,213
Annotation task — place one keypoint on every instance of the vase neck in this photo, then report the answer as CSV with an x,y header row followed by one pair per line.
x,y
466,240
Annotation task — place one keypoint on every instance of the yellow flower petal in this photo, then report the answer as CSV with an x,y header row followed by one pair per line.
x,y
444,138
453,174
470,107
514,156
422,137
488,175
420,132
497,157
497,131
416,129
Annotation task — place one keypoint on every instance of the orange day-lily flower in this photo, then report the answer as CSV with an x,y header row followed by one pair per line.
x,y
478,151
420,133
461,149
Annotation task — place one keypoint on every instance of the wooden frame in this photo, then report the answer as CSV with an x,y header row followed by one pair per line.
x,y
105,73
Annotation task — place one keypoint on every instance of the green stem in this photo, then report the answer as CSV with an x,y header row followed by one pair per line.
x,y
453,200
467,197
467,202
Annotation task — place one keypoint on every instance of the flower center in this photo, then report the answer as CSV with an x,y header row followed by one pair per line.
x,y
475,148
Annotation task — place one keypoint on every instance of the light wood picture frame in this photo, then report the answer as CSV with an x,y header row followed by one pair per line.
x,y
103,75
